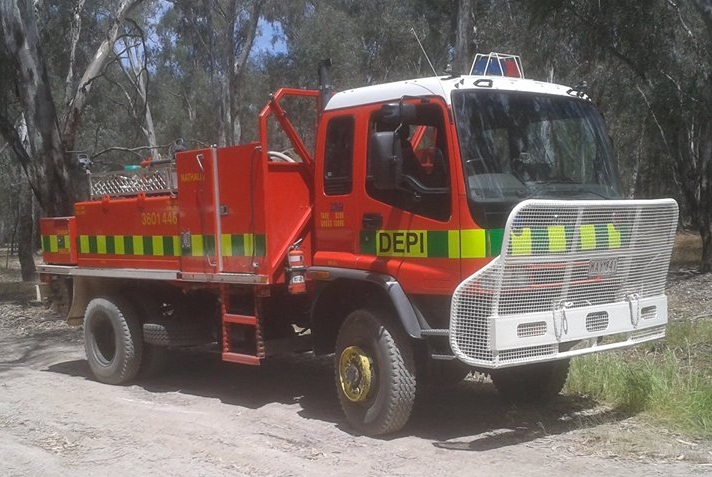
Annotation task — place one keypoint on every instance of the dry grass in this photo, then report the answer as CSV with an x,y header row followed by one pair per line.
x,y
669,381
687,250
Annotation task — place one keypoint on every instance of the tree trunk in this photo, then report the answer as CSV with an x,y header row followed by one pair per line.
x,y
74,35
25,244
238,67
94,69
47,172
137,73
705,158
463,36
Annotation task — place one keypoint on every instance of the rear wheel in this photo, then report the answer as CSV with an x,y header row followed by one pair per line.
x,y
531,383
112,340
375,373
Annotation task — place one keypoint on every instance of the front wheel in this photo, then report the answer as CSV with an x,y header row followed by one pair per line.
x,y
375,373
533,382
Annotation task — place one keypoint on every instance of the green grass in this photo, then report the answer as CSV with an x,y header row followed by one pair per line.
x,y
670,380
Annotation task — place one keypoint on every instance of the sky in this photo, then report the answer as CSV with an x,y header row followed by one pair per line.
x,y
269,39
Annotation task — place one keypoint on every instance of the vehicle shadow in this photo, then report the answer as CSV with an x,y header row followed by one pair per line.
x,y
467,417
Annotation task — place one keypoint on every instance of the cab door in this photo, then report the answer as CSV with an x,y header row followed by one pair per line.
x,y
335,199
412,231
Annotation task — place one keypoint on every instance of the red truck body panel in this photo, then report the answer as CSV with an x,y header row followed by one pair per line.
x,y
227,202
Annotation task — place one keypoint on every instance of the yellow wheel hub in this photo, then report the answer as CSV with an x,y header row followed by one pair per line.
x,y
355,373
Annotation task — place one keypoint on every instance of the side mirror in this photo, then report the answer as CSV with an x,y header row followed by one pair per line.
x,y
398,113
386,160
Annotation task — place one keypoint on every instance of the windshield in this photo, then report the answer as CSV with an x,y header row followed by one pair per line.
x,y
520,145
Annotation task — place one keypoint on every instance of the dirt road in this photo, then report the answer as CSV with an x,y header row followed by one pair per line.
x,y
203,417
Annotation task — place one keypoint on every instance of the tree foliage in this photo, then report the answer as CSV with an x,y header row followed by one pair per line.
x,y
122,79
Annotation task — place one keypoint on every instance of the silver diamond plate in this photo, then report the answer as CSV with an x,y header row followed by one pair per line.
x,y
567,264
148,180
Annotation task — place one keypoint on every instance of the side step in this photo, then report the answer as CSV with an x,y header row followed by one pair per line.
x,y
253,325
438,348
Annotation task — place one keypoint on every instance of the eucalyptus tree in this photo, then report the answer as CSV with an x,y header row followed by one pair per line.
x,y
52,125
665,48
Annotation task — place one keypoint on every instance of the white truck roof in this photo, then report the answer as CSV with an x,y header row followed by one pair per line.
x,y
442,87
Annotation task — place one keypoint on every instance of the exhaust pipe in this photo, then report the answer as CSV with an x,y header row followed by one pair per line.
x,y
325,86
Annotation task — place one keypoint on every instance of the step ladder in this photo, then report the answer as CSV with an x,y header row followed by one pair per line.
x,y
250,322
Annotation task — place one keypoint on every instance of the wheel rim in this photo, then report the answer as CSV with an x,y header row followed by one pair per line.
x,y
104,340
355,373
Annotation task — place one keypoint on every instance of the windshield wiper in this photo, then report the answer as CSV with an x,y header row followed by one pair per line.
x,y
563,192
544,185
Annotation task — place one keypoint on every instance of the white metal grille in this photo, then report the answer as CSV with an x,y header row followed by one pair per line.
x,y
584,268
597,321
648,313
148,180
536,328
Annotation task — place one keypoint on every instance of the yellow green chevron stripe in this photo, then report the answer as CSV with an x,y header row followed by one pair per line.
x,y
233,245
243,245
56,243
483,243
558,238
475,243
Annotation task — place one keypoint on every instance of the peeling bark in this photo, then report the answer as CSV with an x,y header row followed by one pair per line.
x,y
96,66
238,67
74,40
47,170
137,73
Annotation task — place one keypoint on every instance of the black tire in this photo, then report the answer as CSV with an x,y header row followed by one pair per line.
x,y
154,359
175,333
531,383
386,406
112,340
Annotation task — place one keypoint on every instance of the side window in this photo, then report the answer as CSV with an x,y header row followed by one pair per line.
x,y
425,160
339,156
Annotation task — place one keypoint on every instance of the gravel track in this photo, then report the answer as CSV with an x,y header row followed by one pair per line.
x,y
203,417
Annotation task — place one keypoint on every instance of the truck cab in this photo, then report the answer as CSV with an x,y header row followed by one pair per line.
x,y
485,211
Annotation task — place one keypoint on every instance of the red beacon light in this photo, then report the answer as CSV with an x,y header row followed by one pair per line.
x,y
497,64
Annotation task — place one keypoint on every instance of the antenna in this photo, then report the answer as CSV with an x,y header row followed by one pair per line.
x,y
412,30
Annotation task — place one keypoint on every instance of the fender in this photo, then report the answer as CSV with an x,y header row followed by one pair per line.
x,y
409,316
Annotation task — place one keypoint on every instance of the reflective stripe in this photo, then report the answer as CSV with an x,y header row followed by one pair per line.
x,y
470,243
83,244
483,243
557,238
473,244
614,237
137,242
157,245
522,242
101,244
587,237
119,246
196,245
163,245
56,243
453,244
243,245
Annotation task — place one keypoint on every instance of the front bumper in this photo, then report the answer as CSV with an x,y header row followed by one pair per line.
x,y
552,299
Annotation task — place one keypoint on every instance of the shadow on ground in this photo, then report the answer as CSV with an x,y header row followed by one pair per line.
x,y
467,417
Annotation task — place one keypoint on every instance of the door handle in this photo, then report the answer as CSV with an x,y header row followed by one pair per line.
x,y
372,221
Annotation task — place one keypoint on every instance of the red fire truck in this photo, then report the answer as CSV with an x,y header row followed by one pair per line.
x,y
441,225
